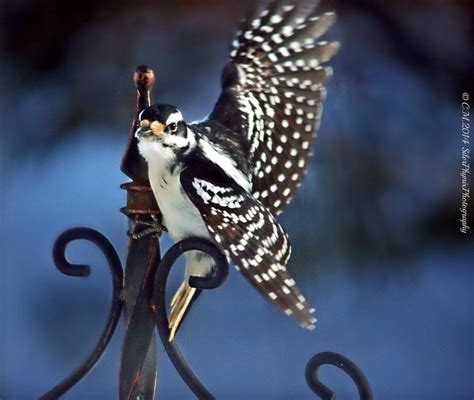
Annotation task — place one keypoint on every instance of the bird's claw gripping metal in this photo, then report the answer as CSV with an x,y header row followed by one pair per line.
x,y
153,227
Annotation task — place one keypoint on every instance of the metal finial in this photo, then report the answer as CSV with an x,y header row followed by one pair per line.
x,y
144,78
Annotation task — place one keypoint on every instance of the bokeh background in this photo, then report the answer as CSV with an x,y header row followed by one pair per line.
x,y
375,227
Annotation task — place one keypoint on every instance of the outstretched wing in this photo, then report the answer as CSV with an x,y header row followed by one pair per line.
x,y
248,234
273,88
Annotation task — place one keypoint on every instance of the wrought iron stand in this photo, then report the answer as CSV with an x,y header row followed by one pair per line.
x,y
141,291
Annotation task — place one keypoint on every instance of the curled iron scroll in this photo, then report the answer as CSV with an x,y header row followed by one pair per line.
x,y
80,270
341,362
216,279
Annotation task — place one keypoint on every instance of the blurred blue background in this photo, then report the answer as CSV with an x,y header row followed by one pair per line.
x,y
375,231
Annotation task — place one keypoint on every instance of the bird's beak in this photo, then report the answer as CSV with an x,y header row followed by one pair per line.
x,y
155,129
143,132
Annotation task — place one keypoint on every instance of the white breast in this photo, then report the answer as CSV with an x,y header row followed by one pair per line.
x,y
181,217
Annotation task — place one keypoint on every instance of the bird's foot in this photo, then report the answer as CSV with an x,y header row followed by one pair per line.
x,y
153,227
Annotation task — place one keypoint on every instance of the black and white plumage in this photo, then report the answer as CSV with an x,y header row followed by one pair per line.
x,y
226,178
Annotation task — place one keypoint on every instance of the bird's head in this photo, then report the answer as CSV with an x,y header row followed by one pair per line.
x,y
160,122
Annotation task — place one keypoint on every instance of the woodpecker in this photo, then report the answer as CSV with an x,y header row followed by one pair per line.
x,y
227,178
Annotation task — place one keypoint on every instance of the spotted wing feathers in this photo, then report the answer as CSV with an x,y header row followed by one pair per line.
x,y
248,234
273,88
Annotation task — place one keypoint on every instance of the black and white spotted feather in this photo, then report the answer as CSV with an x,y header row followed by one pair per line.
x,y
241,166
248,234
273,88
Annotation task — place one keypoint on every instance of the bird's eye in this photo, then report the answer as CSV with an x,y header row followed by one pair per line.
x,y
172,127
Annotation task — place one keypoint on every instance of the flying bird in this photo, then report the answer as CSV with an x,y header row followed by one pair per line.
x,y
227,178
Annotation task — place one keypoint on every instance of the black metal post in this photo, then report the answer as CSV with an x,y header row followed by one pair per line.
x,y
138,370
